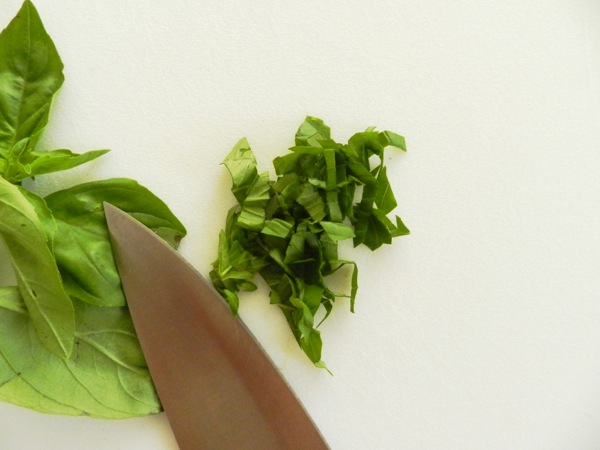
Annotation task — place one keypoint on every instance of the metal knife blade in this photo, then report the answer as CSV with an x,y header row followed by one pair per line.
x,y
218,387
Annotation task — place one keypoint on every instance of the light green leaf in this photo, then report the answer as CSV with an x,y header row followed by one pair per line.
x,y
38,277
106,376
43,162
82,245
24,162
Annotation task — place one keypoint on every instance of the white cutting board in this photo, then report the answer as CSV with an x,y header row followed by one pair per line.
x,y
481,330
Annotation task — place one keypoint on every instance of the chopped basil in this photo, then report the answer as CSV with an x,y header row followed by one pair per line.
x,y
287,230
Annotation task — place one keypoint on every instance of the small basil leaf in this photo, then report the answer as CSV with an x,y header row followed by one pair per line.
x,y
57,160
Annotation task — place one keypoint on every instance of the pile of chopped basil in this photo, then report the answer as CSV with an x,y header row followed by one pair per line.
x,y
67,342
287,230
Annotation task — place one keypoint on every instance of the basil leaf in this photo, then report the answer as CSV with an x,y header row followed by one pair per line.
x,y
40,162
82,245
38,277
30,75
106,377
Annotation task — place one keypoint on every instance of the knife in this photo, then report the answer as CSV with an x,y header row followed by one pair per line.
x,y
217,386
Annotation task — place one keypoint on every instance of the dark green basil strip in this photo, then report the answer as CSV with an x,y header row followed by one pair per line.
x,y
82,245
39,280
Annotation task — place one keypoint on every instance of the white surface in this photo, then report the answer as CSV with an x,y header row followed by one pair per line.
x,y
481,330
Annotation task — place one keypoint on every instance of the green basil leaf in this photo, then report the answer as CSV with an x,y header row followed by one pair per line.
x,y
22,161
38,277
82,245
44,215
30,75
57,160
106,376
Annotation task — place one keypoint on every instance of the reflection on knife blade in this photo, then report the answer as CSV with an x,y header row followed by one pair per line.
x,y
218,387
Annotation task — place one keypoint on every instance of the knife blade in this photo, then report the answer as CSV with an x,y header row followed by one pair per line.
x,y
218,387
